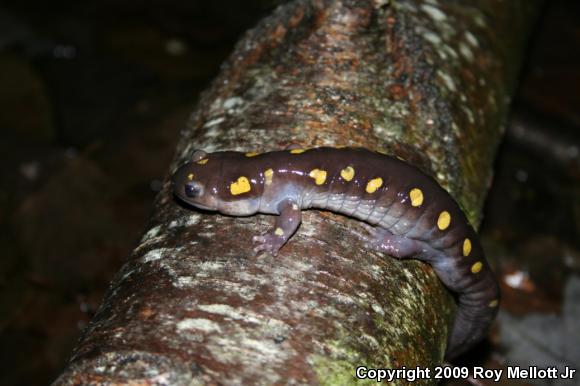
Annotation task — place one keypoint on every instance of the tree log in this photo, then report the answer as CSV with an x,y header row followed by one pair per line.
x,y
425,80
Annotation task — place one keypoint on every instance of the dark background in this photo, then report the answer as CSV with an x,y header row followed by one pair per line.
x,y
92,98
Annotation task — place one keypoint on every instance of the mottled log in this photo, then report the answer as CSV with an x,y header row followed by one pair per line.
x,y
428,81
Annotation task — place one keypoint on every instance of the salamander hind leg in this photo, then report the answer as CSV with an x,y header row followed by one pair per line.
x,y
382,240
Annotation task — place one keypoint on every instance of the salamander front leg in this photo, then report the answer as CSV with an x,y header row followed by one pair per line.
x,y
286,224
384,241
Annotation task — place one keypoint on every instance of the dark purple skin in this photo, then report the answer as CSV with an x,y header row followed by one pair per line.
x,y
402,224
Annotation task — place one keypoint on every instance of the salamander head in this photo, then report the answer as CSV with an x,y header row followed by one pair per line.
x,y
211,182
192,183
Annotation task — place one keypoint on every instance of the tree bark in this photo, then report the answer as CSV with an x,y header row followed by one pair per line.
x,y
428,81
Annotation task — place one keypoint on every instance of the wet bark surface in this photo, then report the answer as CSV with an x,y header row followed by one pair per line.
x,y
430,83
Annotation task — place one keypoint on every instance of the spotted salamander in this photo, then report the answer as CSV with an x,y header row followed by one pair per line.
x,y
405,212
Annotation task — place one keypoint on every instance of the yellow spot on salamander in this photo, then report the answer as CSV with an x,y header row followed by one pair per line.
x,y
347,173
416,196
297,151
190,177
444,220
279,232
374,184
269,173
294,207
251,154
476,268
466,247
242,185
493,303
202,161
318,175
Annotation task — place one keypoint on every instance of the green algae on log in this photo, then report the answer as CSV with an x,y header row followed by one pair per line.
x,y
425,80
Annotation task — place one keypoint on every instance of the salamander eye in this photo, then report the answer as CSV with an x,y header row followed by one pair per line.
x,y
192,190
